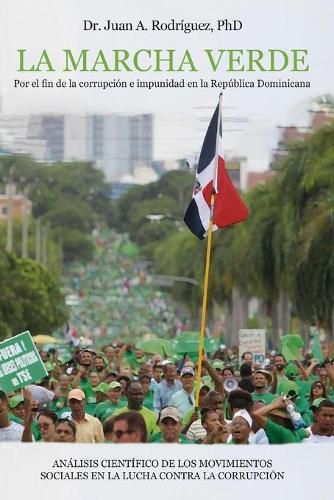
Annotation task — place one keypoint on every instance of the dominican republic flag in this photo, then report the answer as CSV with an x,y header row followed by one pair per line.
x,y
228,207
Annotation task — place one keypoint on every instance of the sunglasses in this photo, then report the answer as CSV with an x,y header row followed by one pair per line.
x,y
43,426
120,433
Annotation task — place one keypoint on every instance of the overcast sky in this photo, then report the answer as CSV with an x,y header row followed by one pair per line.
x,y
56,24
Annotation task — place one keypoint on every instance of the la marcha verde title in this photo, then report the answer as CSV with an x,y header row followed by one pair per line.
x,y
166,60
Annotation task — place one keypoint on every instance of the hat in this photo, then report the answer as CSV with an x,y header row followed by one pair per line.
x,y
289,388
77,394
218,364
291,370
280,413
245,415
86,349
171,412
315,404
15,401
267,374
102,387
187,371
115,385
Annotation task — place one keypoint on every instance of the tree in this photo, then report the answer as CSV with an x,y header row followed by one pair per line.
x,y
29,297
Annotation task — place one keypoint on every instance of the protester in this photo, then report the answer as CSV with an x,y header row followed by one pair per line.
x,y
322,430
65,431
88,429
113,402
128,427
184,400
261,380
167,387
9,431
135,396
46,421
241,427
170,427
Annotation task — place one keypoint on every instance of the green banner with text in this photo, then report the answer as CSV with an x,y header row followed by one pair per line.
x,y
20,363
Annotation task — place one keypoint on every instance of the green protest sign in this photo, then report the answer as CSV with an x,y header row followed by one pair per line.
x,y
20,363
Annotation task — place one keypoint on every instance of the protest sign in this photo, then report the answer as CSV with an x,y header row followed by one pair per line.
x,y
20,363
254,341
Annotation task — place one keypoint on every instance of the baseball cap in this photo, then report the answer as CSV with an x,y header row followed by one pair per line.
x,y
170,412
102,387
115,385
289,388
316,402
86,349
187,371
76,394
15,401
245,415
218,364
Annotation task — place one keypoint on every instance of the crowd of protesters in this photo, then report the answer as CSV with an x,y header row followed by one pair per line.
x,y
124,395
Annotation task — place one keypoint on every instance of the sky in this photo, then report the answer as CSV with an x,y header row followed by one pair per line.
x,y
35,25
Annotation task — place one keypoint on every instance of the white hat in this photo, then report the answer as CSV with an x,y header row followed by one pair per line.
x,y
245,415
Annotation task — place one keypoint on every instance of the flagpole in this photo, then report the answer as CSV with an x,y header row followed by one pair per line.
x,y
207,264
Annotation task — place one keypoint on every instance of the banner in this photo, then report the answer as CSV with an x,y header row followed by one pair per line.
x,y
165,471
20,363
254,341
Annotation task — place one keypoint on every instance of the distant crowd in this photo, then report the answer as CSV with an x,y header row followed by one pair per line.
x,y
126,395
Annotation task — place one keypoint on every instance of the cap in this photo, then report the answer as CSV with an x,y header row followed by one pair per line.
x,y
102,387
218,364
291,370
15,401
280,413
187,371
170,412
115,385
245,415
267,374
289,388
86,349
316,402
76,394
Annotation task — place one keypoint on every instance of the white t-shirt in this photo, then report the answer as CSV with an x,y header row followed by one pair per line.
x,y
11,433
315,438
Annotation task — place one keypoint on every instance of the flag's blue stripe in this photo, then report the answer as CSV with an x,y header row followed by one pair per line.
x,y
193,221
209,144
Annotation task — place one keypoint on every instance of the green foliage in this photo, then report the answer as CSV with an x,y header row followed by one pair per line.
x,y
70,197
168,197
286,245
29,298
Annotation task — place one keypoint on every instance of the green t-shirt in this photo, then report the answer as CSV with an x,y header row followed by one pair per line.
x,y
266,397
106,409
148,401
90,395
58,404
14,418
277,434
157,438
148,415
